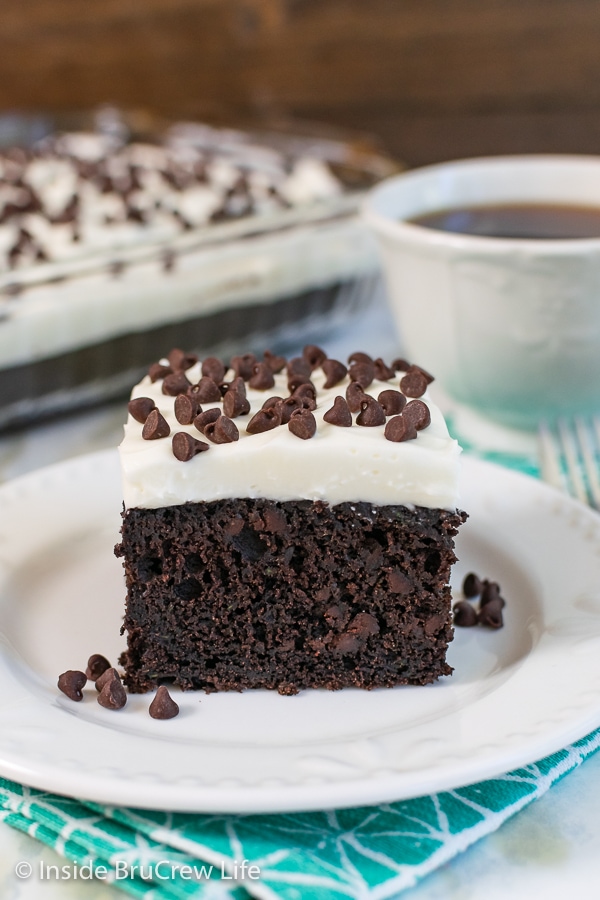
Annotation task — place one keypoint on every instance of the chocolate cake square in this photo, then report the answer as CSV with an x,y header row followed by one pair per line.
x,y
311,547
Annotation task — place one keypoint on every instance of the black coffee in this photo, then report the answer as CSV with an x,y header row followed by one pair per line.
x,y
547,221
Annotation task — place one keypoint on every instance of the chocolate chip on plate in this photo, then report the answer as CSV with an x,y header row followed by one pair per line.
x,y
491,614
97,666
71,683
113,694
465,615
472,585
163,706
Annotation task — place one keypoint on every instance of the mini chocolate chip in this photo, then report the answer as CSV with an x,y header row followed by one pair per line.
x,y
307,394
363,373
401,365
339,414
360,358
113,695
163,706
275,520
140,408
413,384
155,427
392,402
465,616
295,380
399,429
235,402
472,585
490,593
264,420
371,413
303,424
174,384
275,363
298,366
108,675
71,684
289,406
313,355
417,412
428,376
271,401
222,431
382,372
179,360
243,365
363,624
205,418
158,371
187,407
97,666
206,391
213,368
335,372
186,446
262,377
354,396
491,614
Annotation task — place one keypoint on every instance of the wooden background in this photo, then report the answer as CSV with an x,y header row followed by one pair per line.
x,y
432,79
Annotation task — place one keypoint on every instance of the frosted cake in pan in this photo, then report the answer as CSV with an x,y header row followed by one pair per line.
x,y
111,249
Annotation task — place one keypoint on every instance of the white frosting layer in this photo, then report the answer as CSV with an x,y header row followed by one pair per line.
x,y
337,465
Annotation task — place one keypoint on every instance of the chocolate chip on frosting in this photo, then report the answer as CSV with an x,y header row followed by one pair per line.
x,y
97,666
371,413
335,372
187,407
206,391
360,358
186,446
163,706
275,363
140,408
271,401
339,414
303,424
288,406
179,360
314,355
399,429
174,384
155,427
235,402
297,365
296,379
414,383
307,394
262,377
354,396
382,371
264,420
158,371
363,373
206,418
243,365
392,402
71,684
222,431
213,368
417,412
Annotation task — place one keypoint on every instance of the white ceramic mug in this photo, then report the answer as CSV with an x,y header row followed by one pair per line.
x,y
509,326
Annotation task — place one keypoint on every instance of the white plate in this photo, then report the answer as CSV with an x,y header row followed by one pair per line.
x,y
516,694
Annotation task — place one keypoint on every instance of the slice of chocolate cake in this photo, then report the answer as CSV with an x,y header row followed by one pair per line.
x,y
287,525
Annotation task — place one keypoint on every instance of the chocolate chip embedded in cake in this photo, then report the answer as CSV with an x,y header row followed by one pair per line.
x,y
236,557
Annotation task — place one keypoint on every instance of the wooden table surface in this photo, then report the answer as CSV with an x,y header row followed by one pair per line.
x,y
432,79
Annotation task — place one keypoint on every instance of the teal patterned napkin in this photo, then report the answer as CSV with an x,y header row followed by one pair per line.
x,y
366,853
